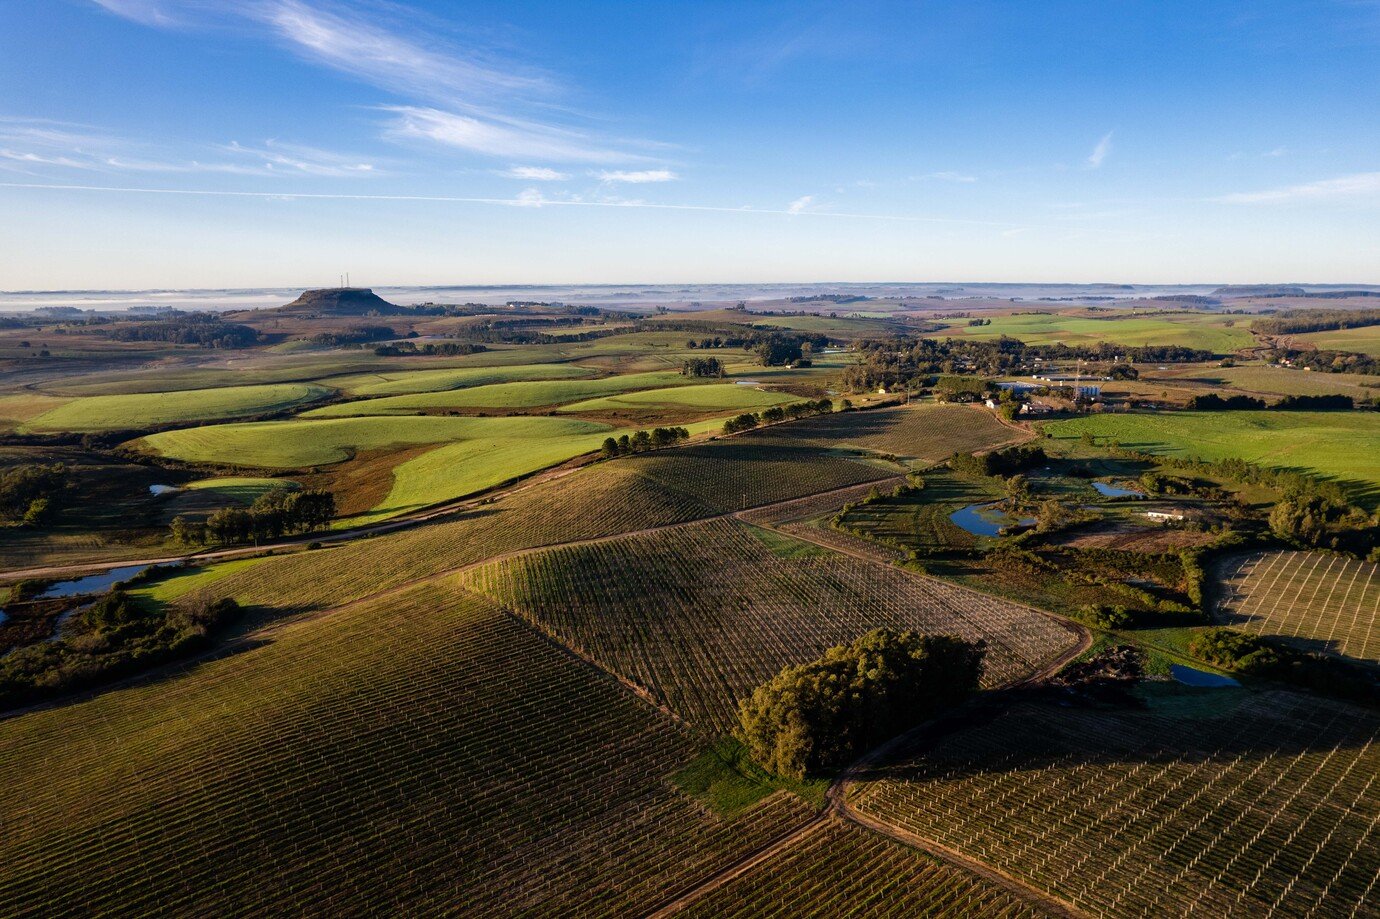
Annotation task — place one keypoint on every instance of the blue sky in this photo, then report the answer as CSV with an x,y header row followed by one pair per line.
x,y
210,143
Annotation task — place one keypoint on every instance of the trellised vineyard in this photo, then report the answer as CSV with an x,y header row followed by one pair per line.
x,y
702,614
1264,805
1322,601
840,870
404,755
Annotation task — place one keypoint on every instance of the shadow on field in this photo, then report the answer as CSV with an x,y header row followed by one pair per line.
x,y
1028,730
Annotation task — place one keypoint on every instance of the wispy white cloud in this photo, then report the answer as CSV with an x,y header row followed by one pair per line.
x,y
460,97
948,176
1100,152
512,140
640,177
530,197
534,174
1359,186
1276,152
26,143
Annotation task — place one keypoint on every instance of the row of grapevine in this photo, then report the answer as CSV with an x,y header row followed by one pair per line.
x,y
702,614
923,433
1322,600
1263,805
842,870
414,755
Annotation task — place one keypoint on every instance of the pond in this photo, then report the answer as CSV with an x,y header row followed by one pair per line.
x,y
1112,491
1191,676
986,519
92,583
162,489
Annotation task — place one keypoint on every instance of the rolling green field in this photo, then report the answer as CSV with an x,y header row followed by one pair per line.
x,y
703,398
143,410
25,406
1191,331
243,489
922,432
1365,340
529,394
1271,380
1334,445
402,382
298,443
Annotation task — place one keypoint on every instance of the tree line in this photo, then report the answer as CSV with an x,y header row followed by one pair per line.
x,y
642,441
824,714
749,420
1211,402
202,329
26,492
1299,322
274,514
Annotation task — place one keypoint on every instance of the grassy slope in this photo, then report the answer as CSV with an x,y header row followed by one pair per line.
x,y
1207,332
308,442
331,771
401,382
709,397
142,410
502,395
243,489
1271,380
1340,445
1365,340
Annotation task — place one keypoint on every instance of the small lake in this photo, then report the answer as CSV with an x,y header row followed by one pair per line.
x,y
985,519
162,489
92,583
1112,491
1191,676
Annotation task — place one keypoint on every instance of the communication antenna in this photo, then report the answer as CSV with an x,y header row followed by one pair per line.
x,y
347,279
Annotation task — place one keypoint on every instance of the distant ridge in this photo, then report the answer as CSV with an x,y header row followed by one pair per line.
x,y
342,301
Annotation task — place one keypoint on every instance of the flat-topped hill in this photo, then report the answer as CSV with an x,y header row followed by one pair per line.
x,y
342,301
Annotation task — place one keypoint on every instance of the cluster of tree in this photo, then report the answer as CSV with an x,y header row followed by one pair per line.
x,y
357,335
962,389
1328,361
204,329
716,342
1314,520
1211,402
26,492
702,367
1007,462
903,360
441,348
113,638
1298,322
1214,402
1315,404
642,441
1253,655
979,322
749,420
273,514
777,348
824,714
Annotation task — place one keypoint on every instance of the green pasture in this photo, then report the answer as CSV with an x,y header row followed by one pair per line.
x,y
142,410
458,469
177,584
1270,379
1191,331
1365,340
1333,445
244,489
402,382
709,397
529,394
298,443
25,406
